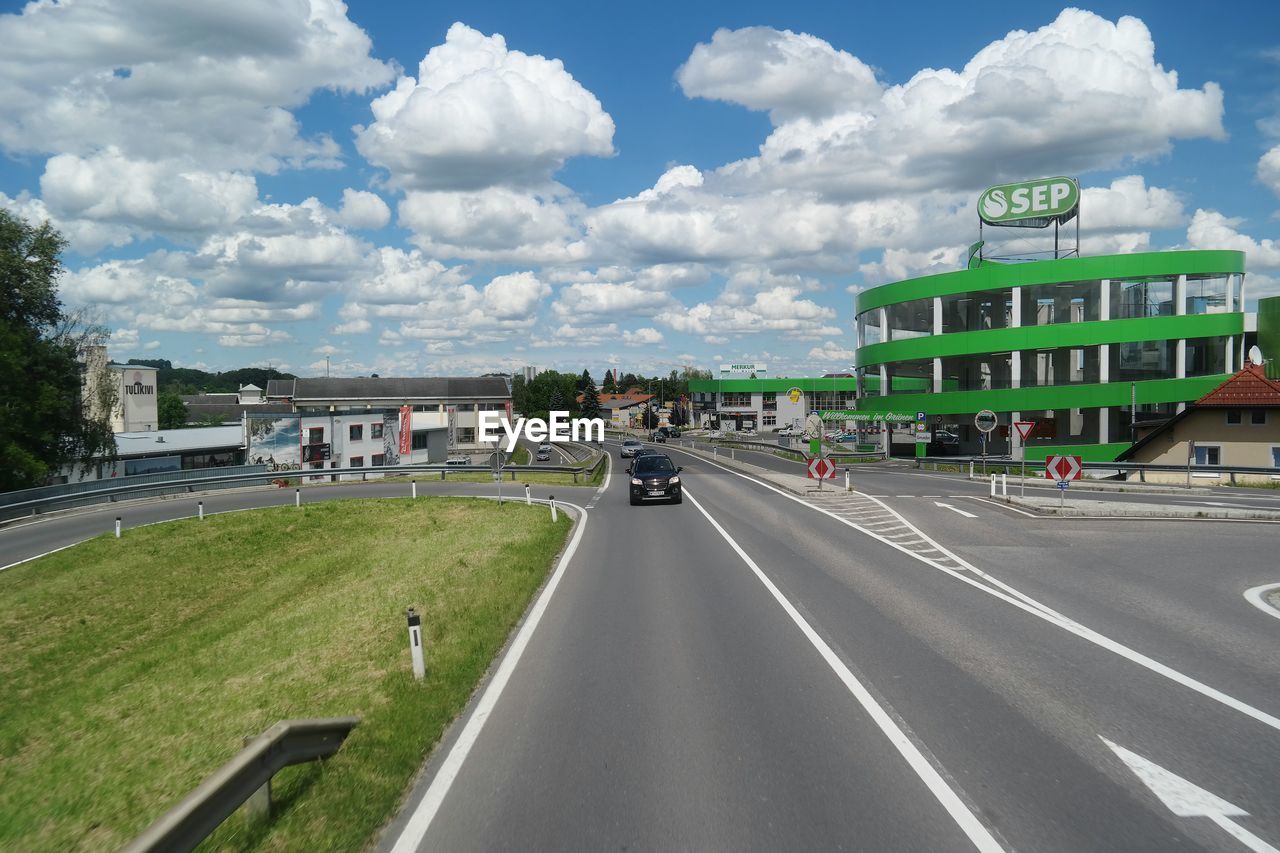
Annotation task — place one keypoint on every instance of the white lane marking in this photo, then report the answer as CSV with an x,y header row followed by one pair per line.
x,y
1255,596
943,792
955,509
420,821
1003,591
1002,506
608,473
45,554
1186,799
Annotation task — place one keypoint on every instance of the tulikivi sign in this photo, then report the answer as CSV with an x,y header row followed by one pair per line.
x,y
1030,204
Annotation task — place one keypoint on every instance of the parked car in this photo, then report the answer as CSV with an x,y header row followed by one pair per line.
x,y
790,430
659,437
458,460
654,477
630,446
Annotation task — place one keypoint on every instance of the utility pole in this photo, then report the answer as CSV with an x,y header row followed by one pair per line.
x,y
326,367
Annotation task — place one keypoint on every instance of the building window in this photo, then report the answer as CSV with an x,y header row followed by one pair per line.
x,y
466,435
1233,416
375,430
315,435
1143,298
736,400
769,420
769,400
357,461
355,432
378,460
1258,417
420,439
466,407
1275,457
1208,455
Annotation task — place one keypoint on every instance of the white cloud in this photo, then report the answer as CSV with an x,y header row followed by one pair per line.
x,y
496,223
514,296
1269,169
401,277
255,340
897,264
1079,94
789,74
212,85
603,299
479,115
776,310
362,209
832,353
647,336
1129,205
1209,229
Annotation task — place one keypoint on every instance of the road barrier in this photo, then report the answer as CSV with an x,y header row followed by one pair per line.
x,y
1036,467
123,488
247,775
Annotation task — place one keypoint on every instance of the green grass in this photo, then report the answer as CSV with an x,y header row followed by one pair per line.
x,y
133,668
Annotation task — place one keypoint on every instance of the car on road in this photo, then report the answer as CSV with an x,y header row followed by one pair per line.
x,y
715,433
543,455
654,477
660,437
645,451
458,460
630,446
790,430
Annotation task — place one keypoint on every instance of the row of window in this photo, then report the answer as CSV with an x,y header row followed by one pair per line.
x,y
1211,454
1257,417
355,432
1046,304
375,461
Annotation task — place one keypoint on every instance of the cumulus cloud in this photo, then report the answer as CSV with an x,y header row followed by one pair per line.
x,y
897,264
496,223
832,353
1210,229
1269,169
362,209
778,309
646,336
1079,94
479,115
605,299
159,80
789,74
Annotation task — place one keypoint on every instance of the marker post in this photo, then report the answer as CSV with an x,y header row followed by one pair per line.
x,y
554,517
117,527
200,509
415,644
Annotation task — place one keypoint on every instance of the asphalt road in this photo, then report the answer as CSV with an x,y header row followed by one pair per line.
x,y
746,671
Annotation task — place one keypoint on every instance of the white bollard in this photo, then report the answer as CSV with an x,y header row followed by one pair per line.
x,y
415,644
1004,484
415,489
117,527
297,497
200,509
554,517
847,487
970,469
993,485
528,501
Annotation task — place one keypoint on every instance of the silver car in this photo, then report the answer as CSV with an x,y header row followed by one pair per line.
x,y
630,446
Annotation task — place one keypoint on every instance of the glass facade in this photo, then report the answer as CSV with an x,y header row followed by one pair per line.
x,y
1207,295
1067,302
912,319
977,372
1206,356
1142,298
977,311
1062,366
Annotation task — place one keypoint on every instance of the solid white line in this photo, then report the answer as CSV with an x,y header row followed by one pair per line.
x,y
45,554
1002,506
955,509
1255,597
420,821
1003,591
946,796
1244,836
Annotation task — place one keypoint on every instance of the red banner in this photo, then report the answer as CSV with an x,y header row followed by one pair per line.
x,y
406,430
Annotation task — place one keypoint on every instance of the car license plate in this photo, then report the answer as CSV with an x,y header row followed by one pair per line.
x,y
655,493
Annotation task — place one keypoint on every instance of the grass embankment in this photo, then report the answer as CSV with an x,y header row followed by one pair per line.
x,y
134,668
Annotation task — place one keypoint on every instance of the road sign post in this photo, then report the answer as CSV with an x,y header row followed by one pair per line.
x,y
1024,429
985,421
820,469
1064,469
495,465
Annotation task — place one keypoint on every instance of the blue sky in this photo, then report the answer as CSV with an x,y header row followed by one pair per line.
x,y
450,188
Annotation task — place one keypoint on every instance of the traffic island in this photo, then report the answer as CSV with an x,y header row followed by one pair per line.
x,y
1093,508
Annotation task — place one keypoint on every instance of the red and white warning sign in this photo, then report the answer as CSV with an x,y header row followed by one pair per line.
x,y
1024,428
821,469
1062,468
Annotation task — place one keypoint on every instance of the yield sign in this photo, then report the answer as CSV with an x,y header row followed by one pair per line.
x,y
821,469
1062,468
1024,428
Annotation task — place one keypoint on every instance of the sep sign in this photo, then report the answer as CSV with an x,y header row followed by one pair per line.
x,y
821,469
1030,204
1062,468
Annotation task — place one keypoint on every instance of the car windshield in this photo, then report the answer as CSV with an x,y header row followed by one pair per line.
x,y
630,442
654,465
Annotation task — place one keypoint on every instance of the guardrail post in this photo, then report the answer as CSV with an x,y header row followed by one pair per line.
x,y
415,644
297,497
554,517
200,509
528,501
442,473
117,527
258,806
575,478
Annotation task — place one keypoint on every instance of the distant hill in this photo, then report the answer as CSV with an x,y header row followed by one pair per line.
x,y
188,380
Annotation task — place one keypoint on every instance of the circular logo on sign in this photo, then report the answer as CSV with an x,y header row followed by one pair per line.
x,y
985,420
794,395
995,204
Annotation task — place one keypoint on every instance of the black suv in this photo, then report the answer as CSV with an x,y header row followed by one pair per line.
x,y
654,478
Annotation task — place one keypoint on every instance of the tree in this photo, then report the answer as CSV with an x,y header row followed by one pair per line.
x,y
650,418
172,411
590,397
610,384
583,380
555,402
44,421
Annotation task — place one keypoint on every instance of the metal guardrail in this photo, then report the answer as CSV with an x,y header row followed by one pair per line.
x,y
173,480
34,507
764,445
1140,467
201,812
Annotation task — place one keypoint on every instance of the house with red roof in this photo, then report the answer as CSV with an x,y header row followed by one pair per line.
x,y
1237,423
